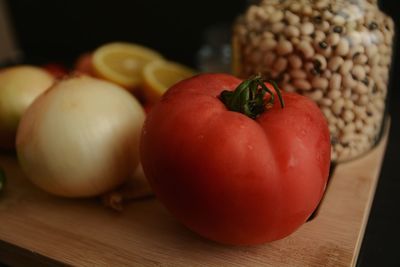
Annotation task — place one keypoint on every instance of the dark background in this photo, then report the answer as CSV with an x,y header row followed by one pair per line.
x,y
61,30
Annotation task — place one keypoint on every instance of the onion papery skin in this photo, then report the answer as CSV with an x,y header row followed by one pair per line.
x,y
19,87
80,138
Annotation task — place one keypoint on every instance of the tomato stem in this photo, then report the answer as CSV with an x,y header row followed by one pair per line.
x,y
249,97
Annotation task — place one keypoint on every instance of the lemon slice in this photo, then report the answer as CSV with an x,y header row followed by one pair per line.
x,y
122,63
160,75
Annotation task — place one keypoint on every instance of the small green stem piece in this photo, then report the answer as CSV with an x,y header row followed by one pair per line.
x,y
249,97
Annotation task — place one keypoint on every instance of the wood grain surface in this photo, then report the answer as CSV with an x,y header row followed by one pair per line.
x,y
37,229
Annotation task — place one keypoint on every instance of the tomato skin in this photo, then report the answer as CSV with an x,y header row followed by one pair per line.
x,y
84,64
228,177
56,69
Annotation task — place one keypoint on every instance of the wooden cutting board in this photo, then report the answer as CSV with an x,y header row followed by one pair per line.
x,y
37,229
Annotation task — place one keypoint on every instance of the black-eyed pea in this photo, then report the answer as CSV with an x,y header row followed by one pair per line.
x,y
343,47
369,120
348,104
292,31
358,124
361,88
319,83
333,39
302,84
360,59
306,10
251,13
346,93
324,26
348,115
262,14
334,63
269,9
292,18
334,94
306,49
348,81
335,82
348,137
338,20
337,106
327,74
315,95
327,102
361,112
284,47
280,64
315,14
379,37
359,72
388,38
326,52
327,113
355,97
276,16
356,50
307,39
322,4
340,124
268,44
371,50
327,15
319,36
294,40
332,129
349,128
307,28
241,30
346,67
277,28
379,104
295,7
368,130
363,100
295,61
320,61
298,74
268,35
374,61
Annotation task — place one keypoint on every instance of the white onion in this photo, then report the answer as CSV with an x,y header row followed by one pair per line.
x,y
80,138
19,87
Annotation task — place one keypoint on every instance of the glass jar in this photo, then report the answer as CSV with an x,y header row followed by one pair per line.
x,y
337,52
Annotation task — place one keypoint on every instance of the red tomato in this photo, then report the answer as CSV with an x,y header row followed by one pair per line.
x,y
55,69
231,178
84,64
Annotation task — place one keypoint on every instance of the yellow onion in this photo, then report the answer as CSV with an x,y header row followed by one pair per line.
x,y
80,138
19,87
